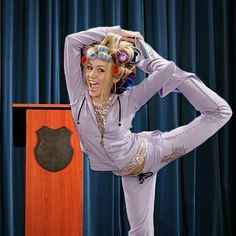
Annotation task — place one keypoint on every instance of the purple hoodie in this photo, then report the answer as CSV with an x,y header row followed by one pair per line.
x,y
120,144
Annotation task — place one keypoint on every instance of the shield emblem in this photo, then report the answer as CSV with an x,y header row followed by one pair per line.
x,y
54,151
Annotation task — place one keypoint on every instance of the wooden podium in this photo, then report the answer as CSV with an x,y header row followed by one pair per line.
x,y
54,199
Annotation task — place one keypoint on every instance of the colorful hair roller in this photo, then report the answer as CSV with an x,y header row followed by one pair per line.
x,y
137,56
104,56
122,56
98,48
100,52
116,70
91,54
83,59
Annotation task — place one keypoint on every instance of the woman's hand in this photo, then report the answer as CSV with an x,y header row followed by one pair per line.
x,y
130,35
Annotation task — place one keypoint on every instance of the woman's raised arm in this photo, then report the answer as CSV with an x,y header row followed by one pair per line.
x,y
72,54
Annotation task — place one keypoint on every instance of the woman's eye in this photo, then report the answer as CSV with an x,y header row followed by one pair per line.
x,y
89,67
101,70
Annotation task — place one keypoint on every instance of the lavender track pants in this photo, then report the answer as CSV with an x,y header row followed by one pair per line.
x,y
164,147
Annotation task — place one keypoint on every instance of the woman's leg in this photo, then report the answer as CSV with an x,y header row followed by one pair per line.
x,y
139,199
215,112
168,146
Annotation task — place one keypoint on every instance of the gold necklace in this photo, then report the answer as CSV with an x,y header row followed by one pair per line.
x,y
101,110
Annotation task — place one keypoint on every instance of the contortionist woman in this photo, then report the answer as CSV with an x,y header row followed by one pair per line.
x,y
99,64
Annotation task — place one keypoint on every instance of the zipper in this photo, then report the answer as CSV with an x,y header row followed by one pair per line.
x,y
102,135
103,146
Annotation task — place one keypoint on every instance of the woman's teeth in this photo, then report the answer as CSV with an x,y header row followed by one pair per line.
x,y
93,84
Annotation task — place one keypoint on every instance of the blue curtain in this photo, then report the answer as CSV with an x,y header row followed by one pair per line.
x,y
196,194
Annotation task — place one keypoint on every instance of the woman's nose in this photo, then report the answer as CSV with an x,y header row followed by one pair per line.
x,y
92,73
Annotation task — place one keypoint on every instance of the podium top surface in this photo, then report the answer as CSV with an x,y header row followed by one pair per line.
x,y
28,106
19,118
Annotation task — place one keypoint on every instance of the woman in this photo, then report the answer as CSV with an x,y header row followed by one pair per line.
x,y
98,65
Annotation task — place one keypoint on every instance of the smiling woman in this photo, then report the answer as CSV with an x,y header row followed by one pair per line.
x,y
103,107
97,73
107,66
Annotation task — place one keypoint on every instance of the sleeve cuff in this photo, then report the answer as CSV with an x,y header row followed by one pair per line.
x,y
173,83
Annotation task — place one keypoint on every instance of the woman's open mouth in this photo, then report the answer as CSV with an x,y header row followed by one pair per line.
x,y
93,85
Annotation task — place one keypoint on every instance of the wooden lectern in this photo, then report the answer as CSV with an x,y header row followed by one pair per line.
x,y
54,198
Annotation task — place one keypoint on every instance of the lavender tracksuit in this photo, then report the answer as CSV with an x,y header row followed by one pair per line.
x,y
121,144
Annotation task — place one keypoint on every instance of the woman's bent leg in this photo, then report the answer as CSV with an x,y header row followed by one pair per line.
x,y
215,112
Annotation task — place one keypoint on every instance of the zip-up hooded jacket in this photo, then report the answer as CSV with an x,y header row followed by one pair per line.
x,y
120,144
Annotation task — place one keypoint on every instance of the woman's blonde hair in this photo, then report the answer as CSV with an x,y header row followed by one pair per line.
x,y
123,68
115,45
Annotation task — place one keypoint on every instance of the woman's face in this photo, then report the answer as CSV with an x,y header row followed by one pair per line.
x,y
98,78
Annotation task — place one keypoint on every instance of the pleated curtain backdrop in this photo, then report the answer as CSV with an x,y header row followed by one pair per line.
x,y
196,194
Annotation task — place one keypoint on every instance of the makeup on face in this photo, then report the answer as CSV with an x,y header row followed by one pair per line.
x,y
98,78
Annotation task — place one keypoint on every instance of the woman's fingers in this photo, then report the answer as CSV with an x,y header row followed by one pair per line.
x,y
129,39
139,35
130,35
